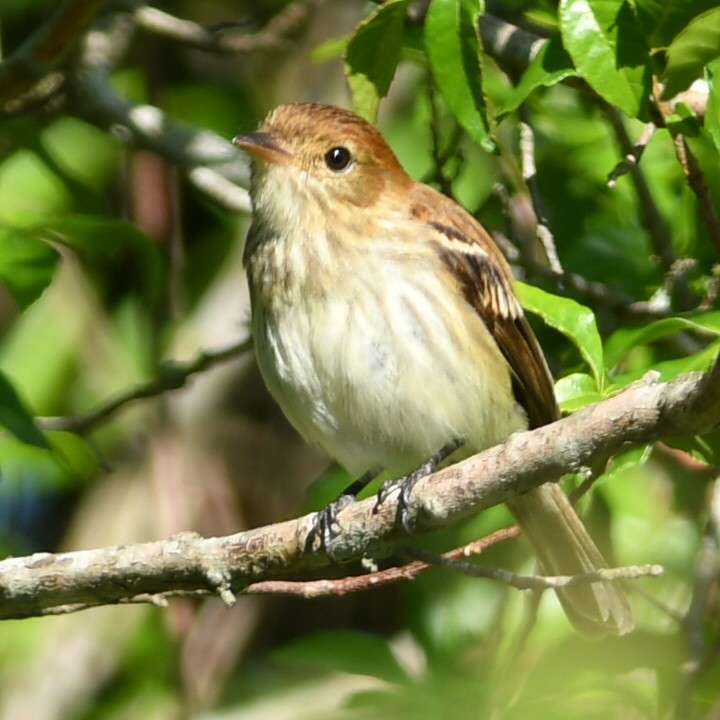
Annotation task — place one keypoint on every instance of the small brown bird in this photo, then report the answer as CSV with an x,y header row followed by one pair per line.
x,y
386,325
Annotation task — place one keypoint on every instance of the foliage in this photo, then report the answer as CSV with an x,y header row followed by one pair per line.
x,y
112,261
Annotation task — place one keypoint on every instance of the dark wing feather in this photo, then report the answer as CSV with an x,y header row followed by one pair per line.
x,y
487,283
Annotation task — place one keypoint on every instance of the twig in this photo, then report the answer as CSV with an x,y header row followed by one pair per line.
x,y
527,155
696,180
225,40
23,75
210,161
534,582
357,583
651,218
632,157
643,413
171,376
590,290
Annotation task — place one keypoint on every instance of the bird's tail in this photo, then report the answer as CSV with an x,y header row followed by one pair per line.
x,y
564,547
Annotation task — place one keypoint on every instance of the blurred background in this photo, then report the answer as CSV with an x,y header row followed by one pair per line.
x,y
115,259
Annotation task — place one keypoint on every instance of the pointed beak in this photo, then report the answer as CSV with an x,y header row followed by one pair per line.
x,y
264,146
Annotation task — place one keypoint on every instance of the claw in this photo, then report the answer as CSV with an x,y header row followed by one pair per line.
x,y
406,484
325,527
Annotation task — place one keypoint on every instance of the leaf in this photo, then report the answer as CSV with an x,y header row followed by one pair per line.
x,y
26,265
662,20
326,488
575,321
15,417
551,65
670,369
105,244
625,339
575,391
712,113
605,42
346,651
690,51
453,51
372,55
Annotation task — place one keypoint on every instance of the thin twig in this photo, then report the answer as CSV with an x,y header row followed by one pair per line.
x,y
696,180
171,376
632,157
357,583
542,228
23,74
534,582
650,215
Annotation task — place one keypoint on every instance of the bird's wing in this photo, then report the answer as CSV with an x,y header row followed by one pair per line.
x,y
486,281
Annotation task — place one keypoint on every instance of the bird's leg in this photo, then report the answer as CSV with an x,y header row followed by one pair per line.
x,y
405,484
325,526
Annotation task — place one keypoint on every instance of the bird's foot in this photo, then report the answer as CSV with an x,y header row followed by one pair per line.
x,y
405,485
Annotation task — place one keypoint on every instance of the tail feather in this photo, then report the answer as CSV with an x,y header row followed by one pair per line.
x,y
564,547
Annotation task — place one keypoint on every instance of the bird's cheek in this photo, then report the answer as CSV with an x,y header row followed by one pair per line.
x,y
363,191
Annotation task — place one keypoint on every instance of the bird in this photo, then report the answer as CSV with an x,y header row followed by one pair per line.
x,y
386,326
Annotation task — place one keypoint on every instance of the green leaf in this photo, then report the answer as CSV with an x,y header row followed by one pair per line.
x,y
26,265
372,55
607,47
712,113
551,65
575,391
575,321
330,49
326,488
15,417
105,244
625,339
692,49
662,20
346,651
453,50
670,369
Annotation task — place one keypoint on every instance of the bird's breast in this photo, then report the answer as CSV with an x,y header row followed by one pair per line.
x,y
377,358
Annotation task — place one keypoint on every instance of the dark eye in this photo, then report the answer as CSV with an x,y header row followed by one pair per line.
x,y
338,158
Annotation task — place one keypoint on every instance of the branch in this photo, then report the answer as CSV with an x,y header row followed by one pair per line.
x,y
212,163
188,564
26,76
225,40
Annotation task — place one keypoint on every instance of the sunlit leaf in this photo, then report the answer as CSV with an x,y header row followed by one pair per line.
x,y
551,65
690,51
573,320
608,50
670,369
453,50
625,339
372,55
575,391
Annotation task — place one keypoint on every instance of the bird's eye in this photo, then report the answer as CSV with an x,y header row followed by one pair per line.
x,y
338,158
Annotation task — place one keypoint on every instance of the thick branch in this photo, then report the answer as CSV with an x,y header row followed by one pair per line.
x,y
644,412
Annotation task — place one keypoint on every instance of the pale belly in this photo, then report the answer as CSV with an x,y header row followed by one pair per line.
x,y
385,382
